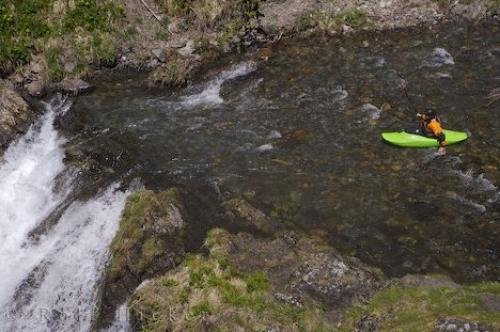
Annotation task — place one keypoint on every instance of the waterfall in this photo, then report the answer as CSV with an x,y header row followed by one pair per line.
x,y
50,283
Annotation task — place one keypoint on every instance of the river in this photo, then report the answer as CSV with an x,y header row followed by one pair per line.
x,y
297,136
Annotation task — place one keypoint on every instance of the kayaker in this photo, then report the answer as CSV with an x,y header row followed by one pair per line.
x,y
430,126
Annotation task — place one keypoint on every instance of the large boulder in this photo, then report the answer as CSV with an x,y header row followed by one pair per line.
x,y
15,114
73,86
290,283
301,268
209,293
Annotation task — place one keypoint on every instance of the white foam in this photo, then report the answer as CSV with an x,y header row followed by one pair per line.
x,y
210,96
74,256
274,134
265,147
28,174
438,58
339,94
121,321
372,110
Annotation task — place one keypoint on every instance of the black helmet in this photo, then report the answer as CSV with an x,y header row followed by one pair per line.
x,y
431,113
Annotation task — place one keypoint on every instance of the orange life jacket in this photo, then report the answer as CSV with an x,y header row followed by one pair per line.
x,y
434,126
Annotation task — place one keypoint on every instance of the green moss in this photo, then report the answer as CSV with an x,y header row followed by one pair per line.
x,y
161,35
418,308
170,282
176,7
103,51
184,295
353,17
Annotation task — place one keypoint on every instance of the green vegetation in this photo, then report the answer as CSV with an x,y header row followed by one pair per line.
x,y
55,68
257,281
103,51
25,22
212,287
21,22
92,15
332,22
418,308
175,74
138,244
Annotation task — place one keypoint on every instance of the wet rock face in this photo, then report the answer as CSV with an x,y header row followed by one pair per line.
x,y
15,115
150,241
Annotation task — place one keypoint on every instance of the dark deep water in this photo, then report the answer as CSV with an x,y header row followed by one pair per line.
x,y
299,137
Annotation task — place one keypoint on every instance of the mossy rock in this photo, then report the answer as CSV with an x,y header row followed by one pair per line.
x,y
15,114
150,241
292,282
427,305
305,269
174,74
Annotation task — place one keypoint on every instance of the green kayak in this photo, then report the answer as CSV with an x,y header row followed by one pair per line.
x,y
409,140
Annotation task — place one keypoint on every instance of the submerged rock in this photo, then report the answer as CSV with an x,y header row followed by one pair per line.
x,y
243,214
15,115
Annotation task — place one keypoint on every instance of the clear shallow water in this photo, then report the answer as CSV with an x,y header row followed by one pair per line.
x,y
299,137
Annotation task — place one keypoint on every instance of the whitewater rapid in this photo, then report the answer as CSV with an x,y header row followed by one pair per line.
x,y
50,283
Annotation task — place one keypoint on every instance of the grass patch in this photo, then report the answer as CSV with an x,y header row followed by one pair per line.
x,y
26,25
418,308
330,22
103,51
202,309
92,15
212,286
257,281
55,68
21,22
